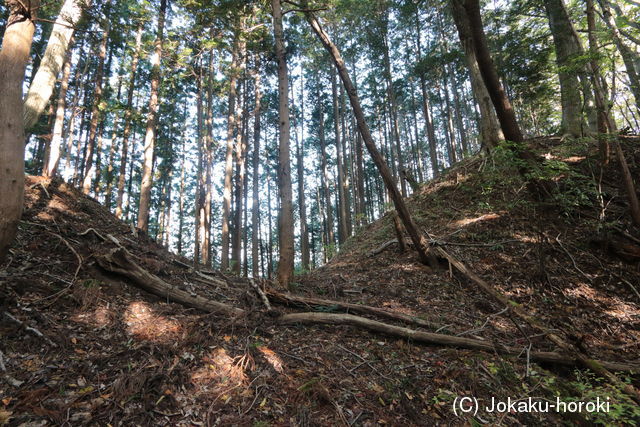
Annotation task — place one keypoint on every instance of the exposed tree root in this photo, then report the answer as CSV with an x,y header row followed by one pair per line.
x,y
119,261
441,339
348,307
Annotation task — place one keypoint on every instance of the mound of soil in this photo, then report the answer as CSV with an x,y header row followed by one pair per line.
x,y
84,345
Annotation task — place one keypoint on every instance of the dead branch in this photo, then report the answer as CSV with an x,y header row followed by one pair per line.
x,y
439,339
34,331
382,247
261,294
585,361
3,368
119,261
75,275
210,280
301,301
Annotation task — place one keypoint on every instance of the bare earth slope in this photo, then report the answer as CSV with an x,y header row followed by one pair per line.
x,y
113,354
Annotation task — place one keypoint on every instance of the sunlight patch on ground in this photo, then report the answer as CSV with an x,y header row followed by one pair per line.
x,y
467,221
101,317
437,186
220,374
274,360
614,307
144,324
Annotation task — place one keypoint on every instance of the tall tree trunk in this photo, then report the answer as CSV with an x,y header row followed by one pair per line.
x,y
241,148
53,158
342,207
45,78
604,120
95,111
324,178
16,45
566,53
426,109
393,105
122,172
285,263
150,136
490,131
361,213
228,169
205,238
181,197
417,237
200,247
504,110
112,150
255,166
452,148
302,203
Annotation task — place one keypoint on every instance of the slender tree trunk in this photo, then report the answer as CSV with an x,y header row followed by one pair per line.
x,y
150,136
426,109
302,203
270,222
179,243
460,121
604,120
14,55
285,264
53,158
205,238
122,172
52,62
231,129
342,207
87,170
452,148
241,148
200,247
361,213
417,237
324,178
255,166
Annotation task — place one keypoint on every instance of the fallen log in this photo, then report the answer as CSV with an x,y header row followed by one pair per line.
x,y
119,261
516,309
441,339
382,247
301,301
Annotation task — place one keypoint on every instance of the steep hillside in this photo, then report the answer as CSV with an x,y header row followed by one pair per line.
x,y
84,345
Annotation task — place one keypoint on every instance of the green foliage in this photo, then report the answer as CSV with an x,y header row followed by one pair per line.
x,y
587,387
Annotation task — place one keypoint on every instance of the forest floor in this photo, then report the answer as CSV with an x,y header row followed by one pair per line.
x,y
111,354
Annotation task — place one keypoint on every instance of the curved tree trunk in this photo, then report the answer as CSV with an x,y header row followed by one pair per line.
x,y
14,56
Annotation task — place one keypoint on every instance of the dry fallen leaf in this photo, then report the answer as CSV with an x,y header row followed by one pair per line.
x,y
5,416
